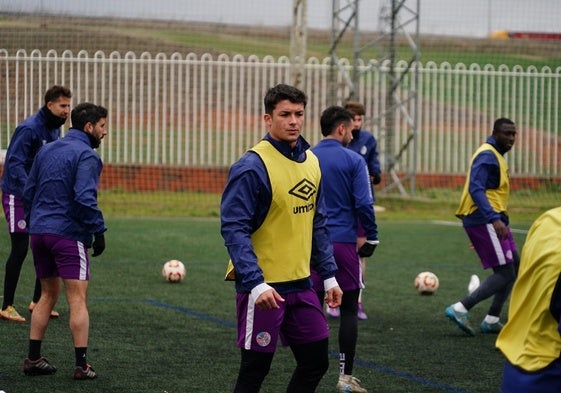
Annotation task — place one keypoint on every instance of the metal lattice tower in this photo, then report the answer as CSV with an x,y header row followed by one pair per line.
x,y
397,19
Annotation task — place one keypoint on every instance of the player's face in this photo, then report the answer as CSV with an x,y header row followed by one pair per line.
x,y
285,123
505,136
348,133
100,130
60,107
97,130
357,122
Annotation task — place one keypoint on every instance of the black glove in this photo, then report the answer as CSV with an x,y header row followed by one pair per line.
x,y
367,248
376,178
98,245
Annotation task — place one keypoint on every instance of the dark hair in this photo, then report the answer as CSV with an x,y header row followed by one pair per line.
x,y
332,117
356,108
280,93
86,113
499,122
55,92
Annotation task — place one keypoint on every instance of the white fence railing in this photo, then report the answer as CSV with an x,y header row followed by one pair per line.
x,y
189,110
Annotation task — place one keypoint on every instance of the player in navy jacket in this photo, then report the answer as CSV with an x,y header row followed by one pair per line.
x,y
348,196
29,136
60,200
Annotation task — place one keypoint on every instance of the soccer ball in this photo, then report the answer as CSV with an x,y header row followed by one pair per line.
x,y
174,271
426,283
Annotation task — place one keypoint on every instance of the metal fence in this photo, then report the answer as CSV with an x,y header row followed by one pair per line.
x,y
205,111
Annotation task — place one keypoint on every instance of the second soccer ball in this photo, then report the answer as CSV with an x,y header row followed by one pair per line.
x,y
426,283
174,271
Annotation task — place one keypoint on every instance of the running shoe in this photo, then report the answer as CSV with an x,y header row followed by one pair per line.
x,y
349,384
11,314
461,319
38,367
490,327
87,373
333,312
361,314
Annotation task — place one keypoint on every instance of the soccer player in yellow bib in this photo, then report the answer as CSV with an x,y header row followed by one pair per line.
x,y
531,339
483,211
274,224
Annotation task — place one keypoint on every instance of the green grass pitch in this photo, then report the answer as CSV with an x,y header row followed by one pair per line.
x,y
151,336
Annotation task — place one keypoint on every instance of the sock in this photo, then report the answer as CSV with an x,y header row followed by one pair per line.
x,y
34,349
80,353
491,319
459,307
341,363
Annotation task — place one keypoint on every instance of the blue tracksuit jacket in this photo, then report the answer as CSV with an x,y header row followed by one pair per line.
x,y
29,136
60,196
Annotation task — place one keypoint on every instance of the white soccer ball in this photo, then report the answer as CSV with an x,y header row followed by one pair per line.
x,y
174,271
426,283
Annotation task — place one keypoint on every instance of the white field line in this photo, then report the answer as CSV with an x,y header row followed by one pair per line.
x,y
459,224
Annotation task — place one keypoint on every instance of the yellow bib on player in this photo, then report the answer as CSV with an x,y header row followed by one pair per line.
x,y
498,197
283,243
530,339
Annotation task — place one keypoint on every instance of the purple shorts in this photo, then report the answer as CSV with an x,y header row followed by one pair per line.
x,y
349,273
492,251
15,216
547,380
299,320
56,256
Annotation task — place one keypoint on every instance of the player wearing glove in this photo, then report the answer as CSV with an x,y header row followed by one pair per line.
x,y
98,245
60,200
367,249
348,196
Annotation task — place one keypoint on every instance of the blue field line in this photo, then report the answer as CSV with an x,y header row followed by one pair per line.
x,y
400,374
191,312
362,363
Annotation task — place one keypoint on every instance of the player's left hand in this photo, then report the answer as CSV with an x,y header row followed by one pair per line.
x,y
98,245
268,300
367,249
333,297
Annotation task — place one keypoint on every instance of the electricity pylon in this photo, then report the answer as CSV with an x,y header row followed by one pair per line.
x,y
397,19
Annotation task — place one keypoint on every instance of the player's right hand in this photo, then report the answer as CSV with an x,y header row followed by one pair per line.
x,y
268,300
500,229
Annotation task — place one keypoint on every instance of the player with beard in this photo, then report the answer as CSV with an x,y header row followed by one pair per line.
x,y
29,136
60,202
365,144
348,197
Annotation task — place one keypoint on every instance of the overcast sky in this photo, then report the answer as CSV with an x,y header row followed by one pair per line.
x,y
474,18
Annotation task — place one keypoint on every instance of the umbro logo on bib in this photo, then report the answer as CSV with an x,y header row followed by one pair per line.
x,y
305,189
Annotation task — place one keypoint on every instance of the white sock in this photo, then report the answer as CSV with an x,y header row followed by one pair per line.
x,y
491,319
459,307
